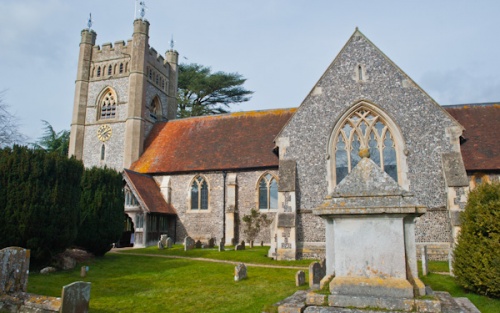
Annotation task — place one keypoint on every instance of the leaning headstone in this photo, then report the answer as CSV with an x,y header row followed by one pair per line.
x,y
169,243
425,261
14,269
198,244
160,245
188,243
300,278
240,272
221,245
314,275
75,298
211,242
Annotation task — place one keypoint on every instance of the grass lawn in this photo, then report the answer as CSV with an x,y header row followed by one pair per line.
x,y
257,255
123,282
447,283
130,283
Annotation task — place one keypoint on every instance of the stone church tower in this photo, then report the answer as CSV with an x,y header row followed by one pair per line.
x,y
121,90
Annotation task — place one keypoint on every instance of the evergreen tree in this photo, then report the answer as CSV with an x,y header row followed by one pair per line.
x,y
477,254
202,92
39,194
53,141
101,209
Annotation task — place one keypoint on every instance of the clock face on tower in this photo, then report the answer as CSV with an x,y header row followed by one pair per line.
x,y
104,132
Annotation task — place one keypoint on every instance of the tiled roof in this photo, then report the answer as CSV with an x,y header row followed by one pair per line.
x,y
218,142
481,149
148,193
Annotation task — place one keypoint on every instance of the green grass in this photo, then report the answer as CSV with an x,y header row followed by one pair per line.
x,y
256,255
130,283
447,283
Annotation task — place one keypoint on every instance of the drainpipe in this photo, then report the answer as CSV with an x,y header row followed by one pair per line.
x,y
224,173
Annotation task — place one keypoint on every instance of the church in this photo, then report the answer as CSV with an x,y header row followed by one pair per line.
x,y
199,176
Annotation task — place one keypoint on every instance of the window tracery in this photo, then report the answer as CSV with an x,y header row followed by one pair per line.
x,y
108,104
364,129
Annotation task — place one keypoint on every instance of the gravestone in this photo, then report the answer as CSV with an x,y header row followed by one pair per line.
x,y
169,243
241,246
233,242
198,244
221,245
240,272
300,278
251,244
14,269
188,243
75,298
425,261
262,243
315,276
163,239
160,245
211,242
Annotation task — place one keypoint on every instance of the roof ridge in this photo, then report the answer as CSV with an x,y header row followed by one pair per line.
x,y
464,105
236,114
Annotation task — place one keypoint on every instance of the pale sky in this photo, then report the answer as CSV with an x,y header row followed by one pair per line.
x,y
450,48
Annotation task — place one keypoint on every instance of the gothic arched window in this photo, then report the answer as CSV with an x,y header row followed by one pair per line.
x,y
199,194
107,104
103,152
268,192
121,68
364,128
110,70
98,71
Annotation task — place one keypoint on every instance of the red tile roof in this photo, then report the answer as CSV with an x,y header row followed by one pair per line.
x,y
148,193
218,142
481,149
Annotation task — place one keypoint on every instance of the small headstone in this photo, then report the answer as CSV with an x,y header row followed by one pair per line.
x,y
188,243
240,272
211,242
14,269
169,243
198,245
163,239
83,271
75,298
314,275
160,245
425,261
241,246
300,278
262,243
221,245
47,270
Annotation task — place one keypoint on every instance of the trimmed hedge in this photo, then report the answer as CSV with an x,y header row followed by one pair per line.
x,y
38,210
477,254
101,203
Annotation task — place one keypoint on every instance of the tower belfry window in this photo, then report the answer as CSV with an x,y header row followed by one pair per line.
x,y
121,68
98,71
360,73
110,70
108,104
364,129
